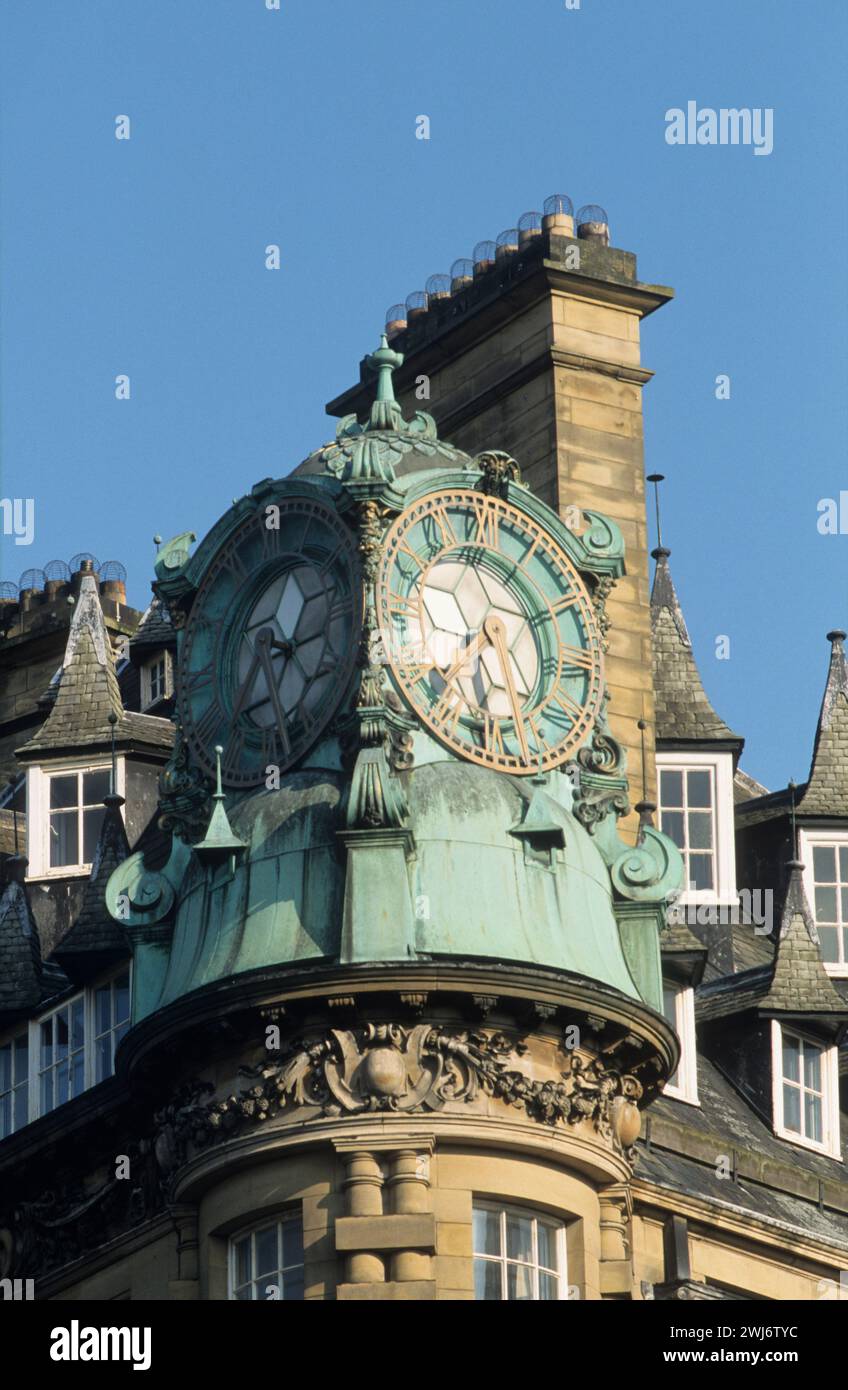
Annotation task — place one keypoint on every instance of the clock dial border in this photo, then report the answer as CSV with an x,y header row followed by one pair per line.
x,y
245,565
562,666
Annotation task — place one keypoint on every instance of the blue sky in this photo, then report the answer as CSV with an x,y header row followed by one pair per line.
x,y
297,127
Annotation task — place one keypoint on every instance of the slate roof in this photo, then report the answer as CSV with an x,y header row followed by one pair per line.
x,y
794,982
745,788
826,792
88,692
96,938
779,1183
25,980
154,630
683,710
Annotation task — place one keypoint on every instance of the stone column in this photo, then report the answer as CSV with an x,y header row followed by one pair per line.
x,y
363,1186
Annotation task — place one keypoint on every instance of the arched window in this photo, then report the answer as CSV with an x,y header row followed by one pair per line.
x,y
266,1262
518,1254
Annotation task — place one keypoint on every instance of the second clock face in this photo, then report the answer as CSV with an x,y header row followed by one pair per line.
x,y
271,640
489,631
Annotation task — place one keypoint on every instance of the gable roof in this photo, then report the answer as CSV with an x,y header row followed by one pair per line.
x,y
25,980
683,711
826,792
794,983
88,692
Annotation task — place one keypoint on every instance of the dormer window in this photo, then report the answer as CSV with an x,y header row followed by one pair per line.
x,y
64,815
696,812
805,1090
679,1009
62,1052
825,857
76,815
156,679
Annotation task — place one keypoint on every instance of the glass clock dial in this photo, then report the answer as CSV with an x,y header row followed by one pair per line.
x,y
271,640
489,631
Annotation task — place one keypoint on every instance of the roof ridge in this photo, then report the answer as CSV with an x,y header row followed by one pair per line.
x,y
826,791
683,709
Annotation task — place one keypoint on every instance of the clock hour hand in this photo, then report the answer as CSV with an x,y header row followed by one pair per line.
x,y
262,660
470,650
496,633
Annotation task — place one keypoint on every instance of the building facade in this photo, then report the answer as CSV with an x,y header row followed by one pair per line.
x,y
394,919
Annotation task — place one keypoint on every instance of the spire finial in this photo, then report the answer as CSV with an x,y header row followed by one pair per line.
x,y
792,787
385,411
656,479
219,840
645,807
218,752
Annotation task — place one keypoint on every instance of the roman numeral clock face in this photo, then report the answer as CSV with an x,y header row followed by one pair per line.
x,y
491,634
270,643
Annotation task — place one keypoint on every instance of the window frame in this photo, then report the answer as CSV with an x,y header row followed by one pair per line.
x,y
723,893
254,1228
685,1085
147,697
32,1029
810,840
38,812
8,1040
831,1141
535,1214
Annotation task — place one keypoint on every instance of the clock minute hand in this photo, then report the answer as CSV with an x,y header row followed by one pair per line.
x,y
264,642
494,629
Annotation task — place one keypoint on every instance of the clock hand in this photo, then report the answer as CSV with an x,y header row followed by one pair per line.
x,y
468,651
264,641
246,686
496,632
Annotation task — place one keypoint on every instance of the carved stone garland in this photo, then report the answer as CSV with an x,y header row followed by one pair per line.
x,y
389,1067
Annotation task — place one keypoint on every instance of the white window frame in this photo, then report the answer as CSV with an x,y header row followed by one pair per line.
x,y
9,1040
831,1144
146,679
255,1228
38,812
685,1085
33,1031
808,841
504,1209
723,893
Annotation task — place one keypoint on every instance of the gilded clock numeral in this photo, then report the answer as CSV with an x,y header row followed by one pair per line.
x,y
578,656
441,519
488,522
492,736
403,606
448,708
566,702
567,601
414,672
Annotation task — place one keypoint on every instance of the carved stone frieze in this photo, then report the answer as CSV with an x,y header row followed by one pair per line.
x,y
389,1067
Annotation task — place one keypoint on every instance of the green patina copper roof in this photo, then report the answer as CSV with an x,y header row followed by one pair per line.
x,y
382,845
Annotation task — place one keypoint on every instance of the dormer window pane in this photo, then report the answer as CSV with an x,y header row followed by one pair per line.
x,y
63,792
698,787
76,816
803,1088
829,897
687,811
64,839
95,785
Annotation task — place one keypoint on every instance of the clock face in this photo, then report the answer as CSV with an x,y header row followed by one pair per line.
x,y
270,643
489,631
